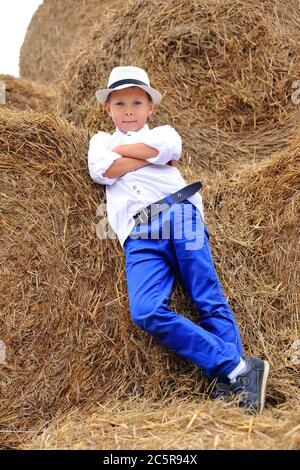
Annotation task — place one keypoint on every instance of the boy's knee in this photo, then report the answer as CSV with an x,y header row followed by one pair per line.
x,y
137,319
145,318
141,318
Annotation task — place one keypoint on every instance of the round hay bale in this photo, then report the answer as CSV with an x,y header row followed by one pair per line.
x,y
24,94
56,27
225,68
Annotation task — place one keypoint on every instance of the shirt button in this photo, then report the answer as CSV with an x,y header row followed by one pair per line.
x,y
138,192
134,187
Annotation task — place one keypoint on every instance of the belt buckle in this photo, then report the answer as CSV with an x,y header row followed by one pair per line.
x,y
145,213
156,208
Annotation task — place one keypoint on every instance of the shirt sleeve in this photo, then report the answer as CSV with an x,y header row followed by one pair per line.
x,y
100,158
167,141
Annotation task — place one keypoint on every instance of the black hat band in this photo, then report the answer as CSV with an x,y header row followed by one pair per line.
x,y
127,81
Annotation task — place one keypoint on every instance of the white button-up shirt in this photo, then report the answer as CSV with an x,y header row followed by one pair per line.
x,y
127,194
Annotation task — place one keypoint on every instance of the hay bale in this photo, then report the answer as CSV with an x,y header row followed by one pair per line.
x,y
56,27
64,312
63,306
175,424
226,69
27,94
254,221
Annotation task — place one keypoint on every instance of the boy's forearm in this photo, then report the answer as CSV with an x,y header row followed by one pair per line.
x,y
139,151
124,165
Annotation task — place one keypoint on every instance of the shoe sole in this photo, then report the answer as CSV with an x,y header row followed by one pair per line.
x,y
263,386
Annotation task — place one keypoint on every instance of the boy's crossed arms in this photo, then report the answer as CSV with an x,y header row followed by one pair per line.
x,y
134,156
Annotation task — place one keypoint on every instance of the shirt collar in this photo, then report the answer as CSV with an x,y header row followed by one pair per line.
x,y
118,132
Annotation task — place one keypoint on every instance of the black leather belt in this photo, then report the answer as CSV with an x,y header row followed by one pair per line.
x,y
151,211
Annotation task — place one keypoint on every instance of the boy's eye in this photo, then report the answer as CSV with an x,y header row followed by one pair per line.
x,y
137,102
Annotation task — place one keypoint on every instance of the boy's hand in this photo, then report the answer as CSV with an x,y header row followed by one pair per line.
x,y
172,162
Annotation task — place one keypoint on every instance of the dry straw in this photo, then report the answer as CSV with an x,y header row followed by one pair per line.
x,y
55,29
72,352
170,425
254,219
225,69
64,311
21,93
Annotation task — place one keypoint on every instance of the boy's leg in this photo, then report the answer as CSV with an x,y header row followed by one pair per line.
x,y
193,260
150,278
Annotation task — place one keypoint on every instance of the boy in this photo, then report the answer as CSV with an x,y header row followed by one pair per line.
x,y
145,193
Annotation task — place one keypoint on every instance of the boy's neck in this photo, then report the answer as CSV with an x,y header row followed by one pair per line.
x,y
125,132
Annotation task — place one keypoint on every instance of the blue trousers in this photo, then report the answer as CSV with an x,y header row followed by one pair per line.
x,y
157,252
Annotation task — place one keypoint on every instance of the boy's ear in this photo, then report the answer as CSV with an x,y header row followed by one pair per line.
x,y
151,109
106,107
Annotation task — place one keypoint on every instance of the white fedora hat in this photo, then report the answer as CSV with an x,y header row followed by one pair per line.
x,y
125,77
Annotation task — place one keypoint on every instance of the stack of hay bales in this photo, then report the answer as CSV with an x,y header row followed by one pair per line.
x,y
225,69
64,310
21,93
55,29
65,319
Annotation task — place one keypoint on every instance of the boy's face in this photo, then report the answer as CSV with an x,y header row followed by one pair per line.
x,y
129,108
